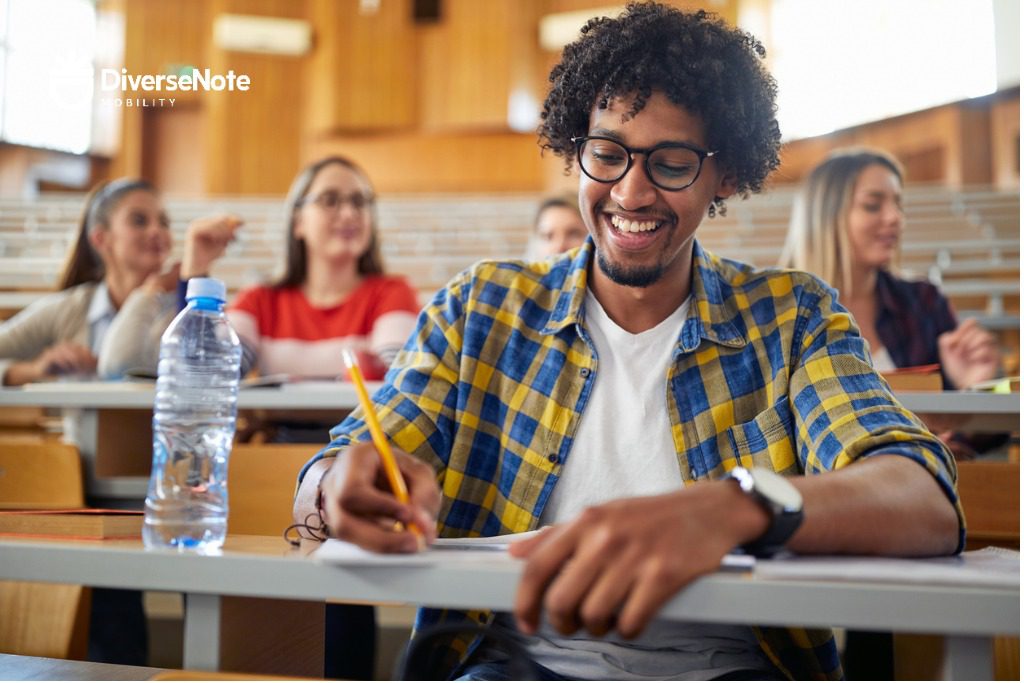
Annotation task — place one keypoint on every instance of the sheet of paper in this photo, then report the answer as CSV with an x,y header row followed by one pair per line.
x,y
493,543
995,567
346,554
455,550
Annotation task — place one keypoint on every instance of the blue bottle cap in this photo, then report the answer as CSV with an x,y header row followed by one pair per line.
x,y
206,287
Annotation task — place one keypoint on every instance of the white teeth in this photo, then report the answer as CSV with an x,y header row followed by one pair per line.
x,y
625,225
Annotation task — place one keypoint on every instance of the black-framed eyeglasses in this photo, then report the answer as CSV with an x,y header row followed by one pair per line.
x,y
671,166
330,200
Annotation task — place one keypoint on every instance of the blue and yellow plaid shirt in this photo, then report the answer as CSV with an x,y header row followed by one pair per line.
x,y
768,371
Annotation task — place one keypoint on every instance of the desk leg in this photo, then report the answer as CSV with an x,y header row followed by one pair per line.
x,y
202,632
967,658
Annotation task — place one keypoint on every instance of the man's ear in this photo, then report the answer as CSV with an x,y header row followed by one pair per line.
x,y
726,186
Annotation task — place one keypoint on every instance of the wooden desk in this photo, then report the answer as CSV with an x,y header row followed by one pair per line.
x,y
267,567
103,430
115,436
986,411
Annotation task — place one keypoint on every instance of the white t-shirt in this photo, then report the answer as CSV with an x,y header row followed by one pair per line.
x,y
623,445
623,448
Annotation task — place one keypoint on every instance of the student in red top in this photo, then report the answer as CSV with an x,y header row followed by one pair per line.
x,y
334,293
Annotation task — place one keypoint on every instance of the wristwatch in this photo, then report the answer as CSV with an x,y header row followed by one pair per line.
x,y
780,498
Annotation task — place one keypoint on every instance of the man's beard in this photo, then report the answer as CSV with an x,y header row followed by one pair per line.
x,y
629,276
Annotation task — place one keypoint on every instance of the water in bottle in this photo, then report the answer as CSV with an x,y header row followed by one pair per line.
x,y
193,424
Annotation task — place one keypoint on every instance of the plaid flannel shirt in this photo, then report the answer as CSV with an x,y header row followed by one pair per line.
x,y
768,371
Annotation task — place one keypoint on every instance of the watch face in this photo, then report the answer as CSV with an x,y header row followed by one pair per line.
x,y
777,488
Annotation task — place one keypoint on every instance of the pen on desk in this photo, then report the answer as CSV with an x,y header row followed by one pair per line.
x,y
387,457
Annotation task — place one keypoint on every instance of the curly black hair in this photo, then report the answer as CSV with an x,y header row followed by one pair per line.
x,y
700,63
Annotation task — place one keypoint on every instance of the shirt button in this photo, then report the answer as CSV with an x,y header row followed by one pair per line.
x,y
553,457
584,372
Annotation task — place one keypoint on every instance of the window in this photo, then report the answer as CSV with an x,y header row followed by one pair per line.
x,y
841,63
47,49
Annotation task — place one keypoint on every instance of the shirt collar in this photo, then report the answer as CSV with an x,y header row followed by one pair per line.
x,y
100,307
712,308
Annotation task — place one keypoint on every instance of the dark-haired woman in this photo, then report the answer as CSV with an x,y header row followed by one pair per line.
x,y
334,293
116,264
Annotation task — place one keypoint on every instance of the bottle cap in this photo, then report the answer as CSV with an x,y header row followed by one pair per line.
x,y
206,287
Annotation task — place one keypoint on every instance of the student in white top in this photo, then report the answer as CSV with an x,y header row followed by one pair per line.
x,y
118,257
112,282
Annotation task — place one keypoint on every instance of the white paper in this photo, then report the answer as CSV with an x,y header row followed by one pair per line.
x,y
993,567
347,554
454,551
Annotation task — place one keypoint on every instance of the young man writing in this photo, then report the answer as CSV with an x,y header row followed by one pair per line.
x,y
655,403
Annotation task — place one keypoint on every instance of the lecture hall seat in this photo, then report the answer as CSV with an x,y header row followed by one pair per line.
x,y
42,619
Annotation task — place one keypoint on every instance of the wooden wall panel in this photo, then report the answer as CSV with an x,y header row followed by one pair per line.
x,y
972,161
158,35
173,157
363,68
253,137
472,60
443,162
166,33
951,144
727,9
1006,140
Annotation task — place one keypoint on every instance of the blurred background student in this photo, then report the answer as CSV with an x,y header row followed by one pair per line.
x,y
846,226
122,243
115,264
557,227
334,294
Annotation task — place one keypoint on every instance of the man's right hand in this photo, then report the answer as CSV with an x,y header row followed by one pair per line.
x,y
358,505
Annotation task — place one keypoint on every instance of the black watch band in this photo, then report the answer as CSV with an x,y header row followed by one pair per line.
x,y
782,502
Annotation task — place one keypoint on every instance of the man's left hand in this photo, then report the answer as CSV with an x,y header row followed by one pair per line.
x,y
617,564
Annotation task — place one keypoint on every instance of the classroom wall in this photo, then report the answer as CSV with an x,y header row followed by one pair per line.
x,y
972,142
425,104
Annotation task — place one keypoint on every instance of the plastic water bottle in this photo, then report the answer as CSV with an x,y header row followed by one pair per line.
x,y
193,425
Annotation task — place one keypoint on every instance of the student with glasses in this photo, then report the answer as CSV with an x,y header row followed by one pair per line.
x,y
334,293
657,404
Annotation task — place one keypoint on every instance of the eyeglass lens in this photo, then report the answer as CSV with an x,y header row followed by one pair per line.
x,y
672,168
332,201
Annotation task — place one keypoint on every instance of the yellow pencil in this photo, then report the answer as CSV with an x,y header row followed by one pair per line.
x,y
387,457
